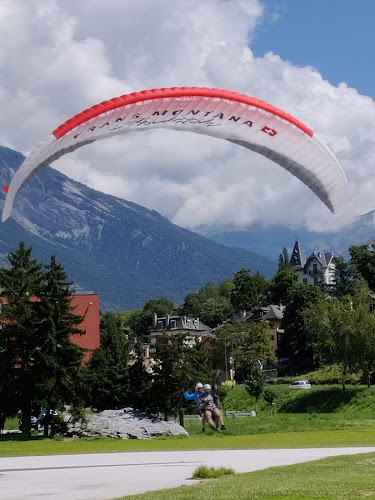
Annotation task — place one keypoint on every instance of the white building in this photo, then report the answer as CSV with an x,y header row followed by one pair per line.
x,y
319,267
172,325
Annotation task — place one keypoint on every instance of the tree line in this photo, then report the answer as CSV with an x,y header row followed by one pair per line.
x,y
324,324
38,362
40,366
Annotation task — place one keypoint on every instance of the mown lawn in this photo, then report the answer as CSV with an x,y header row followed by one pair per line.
x,y
349,477
264,423
322,399
349,420
18,445
341,419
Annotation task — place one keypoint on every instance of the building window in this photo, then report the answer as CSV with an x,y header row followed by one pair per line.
x,y
272,326
272,337
305,280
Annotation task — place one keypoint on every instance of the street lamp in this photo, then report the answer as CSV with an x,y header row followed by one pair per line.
x,y
232,371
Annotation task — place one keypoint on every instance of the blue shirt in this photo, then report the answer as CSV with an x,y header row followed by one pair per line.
x,y
192,396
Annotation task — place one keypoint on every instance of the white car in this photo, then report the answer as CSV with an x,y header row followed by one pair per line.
x,y
300,384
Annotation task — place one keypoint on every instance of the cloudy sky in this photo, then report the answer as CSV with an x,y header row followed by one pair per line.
x,y
312,59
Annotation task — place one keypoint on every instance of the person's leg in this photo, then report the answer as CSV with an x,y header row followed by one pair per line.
x,y
208,417
203,420
222,421
216,414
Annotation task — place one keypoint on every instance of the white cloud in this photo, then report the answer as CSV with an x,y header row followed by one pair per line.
x,y
62,56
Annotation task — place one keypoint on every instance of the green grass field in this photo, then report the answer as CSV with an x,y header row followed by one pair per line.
x,y
340,419
335,478
291,435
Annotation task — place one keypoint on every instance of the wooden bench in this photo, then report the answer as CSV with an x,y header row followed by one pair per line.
x,y
239,414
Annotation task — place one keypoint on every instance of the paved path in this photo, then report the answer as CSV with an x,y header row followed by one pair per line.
x,y
110,475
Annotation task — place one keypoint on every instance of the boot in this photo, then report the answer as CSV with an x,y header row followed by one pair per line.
x,y
214,428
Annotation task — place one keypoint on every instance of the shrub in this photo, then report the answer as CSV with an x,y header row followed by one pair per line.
x,y
269,395
204,472
58,426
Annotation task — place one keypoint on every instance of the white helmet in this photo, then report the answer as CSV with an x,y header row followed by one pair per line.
x,y
198,386
207,387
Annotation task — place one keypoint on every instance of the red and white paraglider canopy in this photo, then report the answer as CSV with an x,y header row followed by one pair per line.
x,y
237,118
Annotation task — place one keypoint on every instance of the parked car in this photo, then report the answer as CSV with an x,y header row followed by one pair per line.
x,y
36,419
300,384
42,414
33,422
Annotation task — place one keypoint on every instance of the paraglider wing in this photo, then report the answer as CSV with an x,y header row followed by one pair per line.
x,y
238,118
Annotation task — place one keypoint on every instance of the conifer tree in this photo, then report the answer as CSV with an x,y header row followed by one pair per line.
x,y
60,360
20,346
171,374
284,261
140,394
108,370
244,294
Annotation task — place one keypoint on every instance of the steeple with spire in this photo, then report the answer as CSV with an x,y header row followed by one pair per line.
x,y
297,259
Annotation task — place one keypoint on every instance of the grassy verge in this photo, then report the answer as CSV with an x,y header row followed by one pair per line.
x,y
11,423
349,477
264,423
324,399
204,472
348,420
17,445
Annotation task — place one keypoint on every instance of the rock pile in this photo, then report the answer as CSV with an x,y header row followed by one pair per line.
x,y
127,423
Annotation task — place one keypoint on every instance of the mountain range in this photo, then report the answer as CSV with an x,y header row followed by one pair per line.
x,y
128,254
124,252
270,240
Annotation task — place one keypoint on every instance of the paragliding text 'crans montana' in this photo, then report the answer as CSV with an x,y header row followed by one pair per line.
x,y
237,118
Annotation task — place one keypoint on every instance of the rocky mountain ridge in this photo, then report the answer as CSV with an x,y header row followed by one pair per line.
x,y
269,240
124,252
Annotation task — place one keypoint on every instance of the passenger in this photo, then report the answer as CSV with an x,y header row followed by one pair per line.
x,y
211,411
218,412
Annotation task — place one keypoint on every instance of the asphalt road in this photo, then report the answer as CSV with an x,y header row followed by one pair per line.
x,y
109,475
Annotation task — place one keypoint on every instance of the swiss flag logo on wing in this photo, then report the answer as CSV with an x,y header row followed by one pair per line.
x,y
270,131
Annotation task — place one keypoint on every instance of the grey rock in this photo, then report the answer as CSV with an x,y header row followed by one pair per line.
x,y
126,423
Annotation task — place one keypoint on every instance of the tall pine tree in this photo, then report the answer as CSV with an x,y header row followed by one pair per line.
x,y
140,379
20,346
108,371
60,360
171,374
244,294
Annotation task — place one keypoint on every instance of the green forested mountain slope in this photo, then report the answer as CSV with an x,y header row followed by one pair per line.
x,y
124,252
